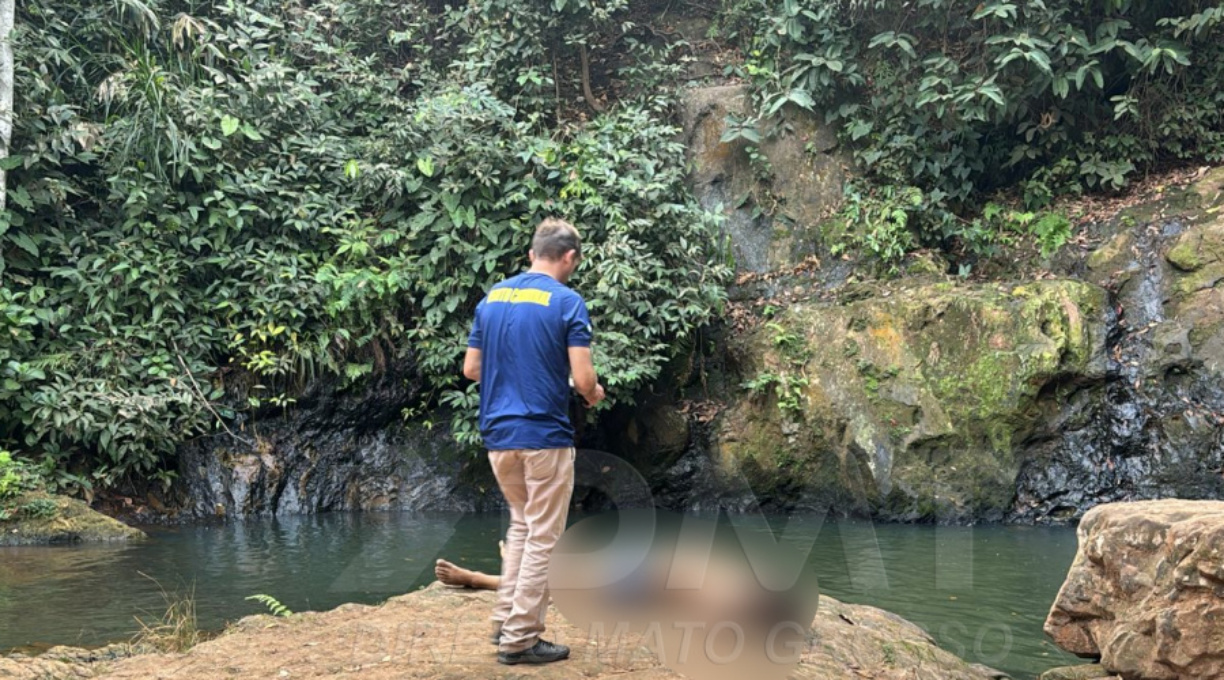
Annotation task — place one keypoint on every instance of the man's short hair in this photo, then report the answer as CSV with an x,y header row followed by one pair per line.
x,y
554,238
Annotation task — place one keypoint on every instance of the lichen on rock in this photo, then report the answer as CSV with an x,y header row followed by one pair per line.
x,y
910,402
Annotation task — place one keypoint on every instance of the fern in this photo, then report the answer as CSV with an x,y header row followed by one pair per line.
x,y
272,604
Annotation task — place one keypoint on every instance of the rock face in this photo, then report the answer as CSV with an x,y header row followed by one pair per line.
x,y
1146,591
1153,429
1026,402
443,633
66,520
338,449
774,203
912,402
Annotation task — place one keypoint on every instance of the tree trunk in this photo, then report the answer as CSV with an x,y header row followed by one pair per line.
x,y
7,14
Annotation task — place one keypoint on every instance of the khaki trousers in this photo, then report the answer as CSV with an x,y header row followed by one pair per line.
x,y
537,485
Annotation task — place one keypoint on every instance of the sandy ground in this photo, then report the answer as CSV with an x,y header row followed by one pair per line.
x,y
442,633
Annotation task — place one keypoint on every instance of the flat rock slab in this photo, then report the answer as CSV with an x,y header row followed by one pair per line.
x,y
441,633
1146,591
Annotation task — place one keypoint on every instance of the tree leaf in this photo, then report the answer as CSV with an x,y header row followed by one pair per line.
x,y
425,165
802,98
251,133
26,243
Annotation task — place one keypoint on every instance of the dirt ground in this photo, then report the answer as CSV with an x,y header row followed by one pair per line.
x,y
441,633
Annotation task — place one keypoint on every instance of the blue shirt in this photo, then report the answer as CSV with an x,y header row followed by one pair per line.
x,y
524,328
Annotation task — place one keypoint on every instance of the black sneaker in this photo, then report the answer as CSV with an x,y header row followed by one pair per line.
x,y
495,636
542,652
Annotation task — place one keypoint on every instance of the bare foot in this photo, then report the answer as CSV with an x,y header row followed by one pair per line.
x,y
456,576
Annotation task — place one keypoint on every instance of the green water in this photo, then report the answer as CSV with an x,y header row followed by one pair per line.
x,y
981,592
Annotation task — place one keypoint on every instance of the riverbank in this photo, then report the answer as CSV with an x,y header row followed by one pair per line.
x,y
37,518
441,632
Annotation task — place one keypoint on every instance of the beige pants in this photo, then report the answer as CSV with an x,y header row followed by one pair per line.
x,y
537,485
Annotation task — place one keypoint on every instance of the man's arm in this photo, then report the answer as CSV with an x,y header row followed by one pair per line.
x,y
471,364
585,380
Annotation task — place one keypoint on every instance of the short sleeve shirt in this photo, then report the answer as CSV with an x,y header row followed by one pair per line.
x,y
524,328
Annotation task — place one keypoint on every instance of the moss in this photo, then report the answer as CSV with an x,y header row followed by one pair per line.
x,y
1185,256
1199,255
890,653
929,387
1200,280
850,349
71,521
926,263
1113,256
1210,188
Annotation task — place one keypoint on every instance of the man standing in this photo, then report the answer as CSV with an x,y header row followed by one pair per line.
x,y
530,335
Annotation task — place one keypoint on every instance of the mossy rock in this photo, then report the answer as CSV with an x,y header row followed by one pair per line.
x,y
1114,256
1198,255
926,263
1210,188
911,401
43,519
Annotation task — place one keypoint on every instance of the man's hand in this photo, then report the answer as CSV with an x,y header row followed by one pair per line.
x,y
583,375
597,395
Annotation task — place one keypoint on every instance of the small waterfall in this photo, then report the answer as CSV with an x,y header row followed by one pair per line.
x,y
1150,429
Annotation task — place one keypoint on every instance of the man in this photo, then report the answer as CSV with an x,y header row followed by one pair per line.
x,y
530,335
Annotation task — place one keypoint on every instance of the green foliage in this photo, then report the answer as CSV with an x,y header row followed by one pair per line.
x,y
38,508
956,101
877,221
786,387
1052,231
16,477
274,606
213,203
783,338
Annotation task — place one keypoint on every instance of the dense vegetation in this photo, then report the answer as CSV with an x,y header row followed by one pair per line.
x,y
212,202
946,103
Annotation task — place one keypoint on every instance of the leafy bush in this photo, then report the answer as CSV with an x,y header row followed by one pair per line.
x,y
213,203
38,508
16,477
959,100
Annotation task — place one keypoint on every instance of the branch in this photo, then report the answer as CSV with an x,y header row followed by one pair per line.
x,y
200,393
586,80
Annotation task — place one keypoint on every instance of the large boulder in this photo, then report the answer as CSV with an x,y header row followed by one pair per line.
x,y
910,402
1146,591
775,192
